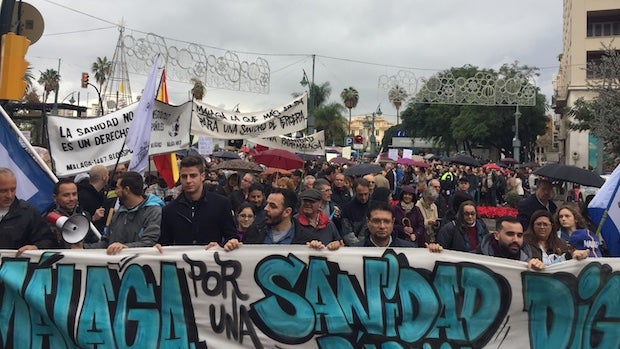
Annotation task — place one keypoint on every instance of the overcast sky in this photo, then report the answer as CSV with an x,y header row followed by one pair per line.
x,y
355,42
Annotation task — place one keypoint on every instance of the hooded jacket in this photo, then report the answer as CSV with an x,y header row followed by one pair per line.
x,y
138,227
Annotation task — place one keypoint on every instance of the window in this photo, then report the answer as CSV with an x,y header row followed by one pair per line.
x,y
603,23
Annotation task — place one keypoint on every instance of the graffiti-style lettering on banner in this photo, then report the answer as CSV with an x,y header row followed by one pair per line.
x,y
80,143
218,123
256,297
313,144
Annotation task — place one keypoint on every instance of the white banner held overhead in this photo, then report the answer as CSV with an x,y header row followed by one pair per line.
x,y
77,144
211,121
313,144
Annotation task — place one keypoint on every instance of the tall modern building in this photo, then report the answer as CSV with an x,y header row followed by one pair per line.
x,y
587,25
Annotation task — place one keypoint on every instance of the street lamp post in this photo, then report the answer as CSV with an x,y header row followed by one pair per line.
x,y
373,138
516,142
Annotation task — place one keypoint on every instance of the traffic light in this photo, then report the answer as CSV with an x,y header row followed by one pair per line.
x,y
358,139
13,66
84,80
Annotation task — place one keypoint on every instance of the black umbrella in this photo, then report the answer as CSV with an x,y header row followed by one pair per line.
x,y
239,165
462,159
362,170
226,155
569,173
190,151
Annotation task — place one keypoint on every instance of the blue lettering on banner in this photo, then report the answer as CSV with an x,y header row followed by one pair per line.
x,y
573,312
399,306
39,306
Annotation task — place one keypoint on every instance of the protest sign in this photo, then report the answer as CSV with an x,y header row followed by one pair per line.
x,y
265,297
211,121
77,144
313,144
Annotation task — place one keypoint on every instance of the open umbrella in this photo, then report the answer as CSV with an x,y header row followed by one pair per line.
x,y
362,170
509,161
569,173
462,159
189,152
226,155
279,158
340,160
404,161
491,166
239,165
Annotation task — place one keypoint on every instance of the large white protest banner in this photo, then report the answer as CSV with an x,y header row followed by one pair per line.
x,y
269,297
77,144
211,121
313,144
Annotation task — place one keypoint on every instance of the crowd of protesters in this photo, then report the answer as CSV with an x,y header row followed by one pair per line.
x,y
432,206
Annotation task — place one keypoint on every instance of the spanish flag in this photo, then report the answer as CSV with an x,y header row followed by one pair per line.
x,y
166,164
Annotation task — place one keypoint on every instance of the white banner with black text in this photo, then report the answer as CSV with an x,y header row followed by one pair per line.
x,y
313,144
77,144
211,121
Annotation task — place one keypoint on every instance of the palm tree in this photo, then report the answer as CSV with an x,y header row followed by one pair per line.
x,y
102,69
29,79
198,91
350,97
328,117
50,80
397,95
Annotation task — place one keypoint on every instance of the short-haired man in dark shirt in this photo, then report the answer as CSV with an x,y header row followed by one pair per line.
x,y
380,222
197,216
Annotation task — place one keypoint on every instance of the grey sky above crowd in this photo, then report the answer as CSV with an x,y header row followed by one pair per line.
x,y
355,42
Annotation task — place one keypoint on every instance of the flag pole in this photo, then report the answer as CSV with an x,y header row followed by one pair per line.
x,y
33,152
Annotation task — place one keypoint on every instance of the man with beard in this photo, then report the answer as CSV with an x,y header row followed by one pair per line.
x,y
278,227
65,196
507,242
256,198
354,213
137,221
197,216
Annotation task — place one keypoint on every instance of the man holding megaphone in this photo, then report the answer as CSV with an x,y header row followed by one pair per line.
x,y
74,230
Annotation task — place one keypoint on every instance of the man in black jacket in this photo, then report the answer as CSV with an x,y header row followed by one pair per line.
x,y
380,222
541,200
197,216
21,225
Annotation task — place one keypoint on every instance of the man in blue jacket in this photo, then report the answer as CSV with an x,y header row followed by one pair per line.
x,y
197,216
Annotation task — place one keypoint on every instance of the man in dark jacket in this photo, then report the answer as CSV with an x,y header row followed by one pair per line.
x,y
197,216
380,222
91,194
21,225
354,213
507,242
541,200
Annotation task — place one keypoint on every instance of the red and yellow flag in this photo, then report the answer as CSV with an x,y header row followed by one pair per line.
x,y
166,164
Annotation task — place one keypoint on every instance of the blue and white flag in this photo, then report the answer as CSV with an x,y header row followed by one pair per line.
x,y
33,183
139,134
607,199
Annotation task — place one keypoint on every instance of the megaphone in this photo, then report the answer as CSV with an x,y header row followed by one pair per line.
x,y
73,228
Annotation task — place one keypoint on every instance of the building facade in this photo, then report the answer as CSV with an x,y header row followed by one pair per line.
x,y
362,125
587,25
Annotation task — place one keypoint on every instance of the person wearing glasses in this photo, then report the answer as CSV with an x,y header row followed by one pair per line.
x,y
465,232
380,222
547,246
245,218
